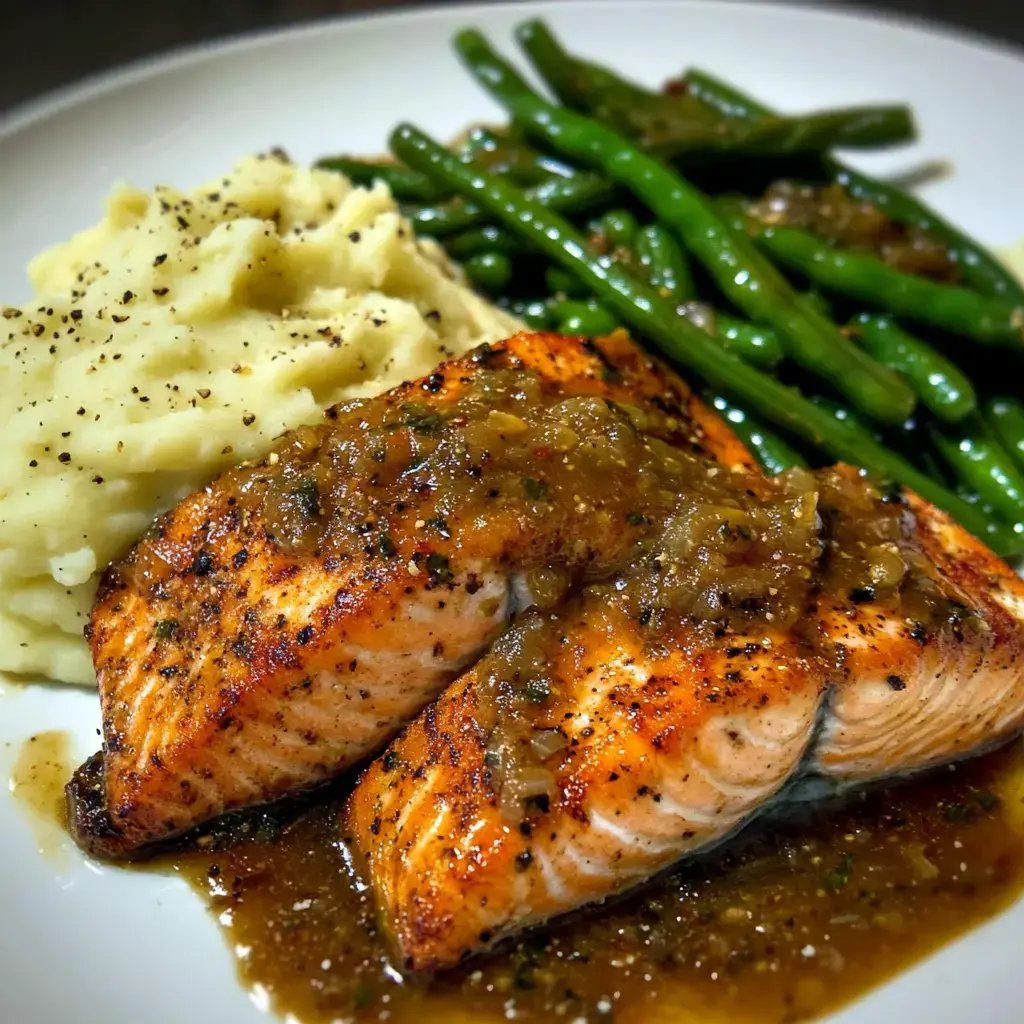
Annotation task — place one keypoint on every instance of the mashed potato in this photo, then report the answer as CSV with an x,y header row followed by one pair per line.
x,y
179,336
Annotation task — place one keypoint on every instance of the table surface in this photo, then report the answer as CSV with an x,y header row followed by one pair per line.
x,y
60,41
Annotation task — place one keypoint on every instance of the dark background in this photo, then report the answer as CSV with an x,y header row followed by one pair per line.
x,y
50,43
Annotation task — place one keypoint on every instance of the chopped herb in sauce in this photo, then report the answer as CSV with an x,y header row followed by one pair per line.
x,y
165,629
307,496
535,490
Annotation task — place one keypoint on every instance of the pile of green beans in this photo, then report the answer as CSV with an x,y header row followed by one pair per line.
x,y
594,212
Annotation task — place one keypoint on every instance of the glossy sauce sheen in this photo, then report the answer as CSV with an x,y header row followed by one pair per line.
x,y
835,215
37,782
790,920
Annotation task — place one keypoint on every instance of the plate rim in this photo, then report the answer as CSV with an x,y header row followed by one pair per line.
x,y
66,98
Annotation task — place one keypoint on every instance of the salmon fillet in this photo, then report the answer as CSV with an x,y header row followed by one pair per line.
x,y
285,621
906,697
662,756
669,747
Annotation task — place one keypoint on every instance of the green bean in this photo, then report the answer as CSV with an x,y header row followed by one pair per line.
x,y
842,414
868,279
851,128
561,282
489,238
403,183
618,227
673,126
583,316
655,318
980,270
773,454
567,195
478,139
535,313
757,345
982,465
664,263
747,279
940,385
1005,417
526,166
583,85
489,271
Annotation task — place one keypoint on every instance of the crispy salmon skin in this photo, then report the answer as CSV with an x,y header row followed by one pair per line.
x,y
289,618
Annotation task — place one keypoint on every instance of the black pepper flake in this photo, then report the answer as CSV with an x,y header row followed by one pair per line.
x,y
97,479
304,636
182,223
390,761
33,463
38,330
896,682
127,297
240,558
249,419
76,314
861,595
119,319
160,292
64,457
80,411
354,236
162,258
524,860
203,392
202,565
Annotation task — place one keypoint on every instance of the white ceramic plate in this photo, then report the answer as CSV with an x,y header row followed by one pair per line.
x,y
80,943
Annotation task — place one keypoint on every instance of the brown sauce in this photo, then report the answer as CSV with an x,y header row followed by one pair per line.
x,y
42,769
832,213
791,919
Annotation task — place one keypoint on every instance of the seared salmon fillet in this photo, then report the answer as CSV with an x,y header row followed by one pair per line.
x,y
906,695
288,619
649,747
659,753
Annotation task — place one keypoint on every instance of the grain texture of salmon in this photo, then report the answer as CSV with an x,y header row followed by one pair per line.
x,y
910,692
642,743
287,620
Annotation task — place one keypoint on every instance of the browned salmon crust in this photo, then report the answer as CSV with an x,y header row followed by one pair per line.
x,y
669,751
905,697
232,672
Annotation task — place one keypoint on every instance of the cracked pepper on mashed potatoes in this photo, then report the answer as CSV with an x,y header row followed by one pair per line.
x,y
179,336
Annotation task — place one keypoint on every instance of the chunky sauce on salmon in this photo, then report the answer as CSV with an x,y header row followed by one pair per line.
x,y
700,638
782,925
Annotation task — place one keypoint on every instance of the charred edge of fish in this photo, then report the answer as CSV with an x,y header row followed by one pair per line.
x,y
87,816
